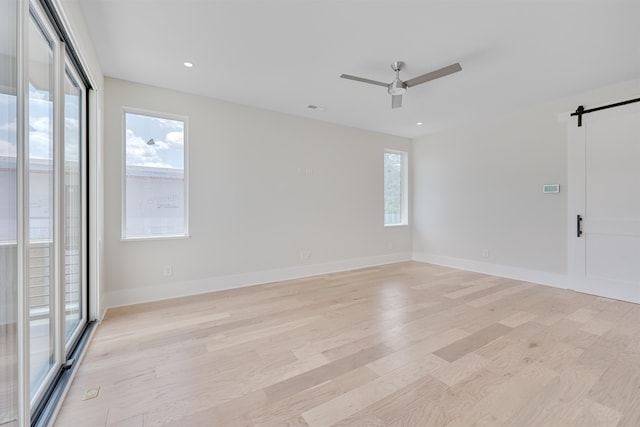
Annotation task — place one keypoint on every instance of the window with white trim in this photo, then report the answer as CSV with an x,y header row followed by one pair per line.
x,y
155,186
395,188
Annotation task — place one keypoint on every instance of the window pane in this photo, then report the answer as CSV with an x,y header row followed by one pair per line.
x,y
73,190
394,188
8,215
40,273
155,179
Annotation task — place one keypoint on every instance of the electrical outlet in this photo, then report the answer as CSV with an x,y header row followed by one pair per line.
x,y
305,255
167,270
485,253
92,393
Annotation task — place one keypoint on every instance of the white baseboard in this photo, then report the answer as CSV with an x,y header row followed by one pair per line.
x,y
605,287
219,283
621,291
533,276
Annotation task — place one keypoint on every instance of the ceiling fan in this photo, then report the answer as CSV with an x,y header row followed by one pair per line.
x,y
398,87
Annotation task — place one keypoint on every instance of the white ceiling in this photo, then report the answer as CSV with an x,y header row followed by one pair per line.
x,y
283,55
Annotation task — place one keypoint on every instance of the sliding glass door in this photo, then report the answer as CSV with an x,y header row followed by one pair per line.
x,y
40,259
56,245
75,308
43,214
9,406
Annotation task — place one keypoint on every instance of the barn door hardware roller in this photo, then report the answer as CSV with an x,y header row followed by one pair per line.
x,y
581,110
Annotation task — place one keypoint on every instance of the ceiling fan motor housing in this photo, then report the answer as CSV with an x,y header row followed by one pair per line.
x,y
397,87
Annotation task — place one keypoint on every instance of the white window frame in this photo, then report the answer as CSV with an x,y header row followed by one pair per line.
x,y
123,174
404,203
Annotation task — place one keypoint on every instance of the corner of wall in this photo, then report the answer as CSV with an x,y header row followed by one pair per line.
x,y
516,273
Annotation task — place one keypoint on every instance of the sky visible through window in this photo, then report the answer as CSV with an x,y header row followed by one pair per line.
x,y
167,148
39,130
40,145
155,204
40,113
71,121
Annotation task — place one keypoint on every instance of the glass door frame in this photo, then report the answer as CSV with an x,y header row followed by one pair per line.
x,y
64,61
36,17
69,69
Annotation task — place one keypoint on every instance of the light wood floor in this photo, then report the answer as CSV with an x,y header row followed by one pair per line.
x,y
408,344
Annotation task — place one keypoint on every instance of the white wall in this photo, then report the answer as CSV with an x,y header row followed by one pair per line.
x,y
264,186
480,187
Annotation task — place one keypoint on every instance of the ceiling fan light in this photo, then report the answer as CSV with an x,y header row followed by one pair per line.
x,y
397,87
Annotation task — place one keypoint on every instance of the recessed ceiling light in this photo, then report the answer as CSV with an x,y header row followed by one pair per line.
x,y
188,64
419,123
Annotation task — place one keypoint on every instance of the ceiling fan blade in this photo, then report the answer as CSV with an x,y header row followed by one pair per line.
x,y
453,68
396,101
363,80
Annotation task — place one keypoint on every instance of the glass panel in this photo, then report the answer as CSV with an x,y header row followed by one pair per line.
x,y
155,204
40,265
393,186
8,215
73,294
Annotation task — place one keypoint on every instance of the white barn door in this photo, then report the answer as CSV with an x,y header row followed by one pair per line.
x,y
604,189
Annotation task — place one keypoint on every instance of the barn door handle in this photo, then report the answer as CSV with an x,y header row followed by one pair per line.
x,y
579,226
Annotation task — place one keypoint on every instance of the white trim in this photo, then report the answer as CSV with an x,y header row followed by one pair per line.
x,y
555,280
155,114
614,289
22,28
58,205
95,205
219,283
576,157
155,237
123,164
69,71
38,17
58,5
404,202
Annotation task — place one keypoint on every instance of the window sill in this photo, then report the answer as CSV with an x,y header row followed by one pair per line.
x,y
159,237
397,225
